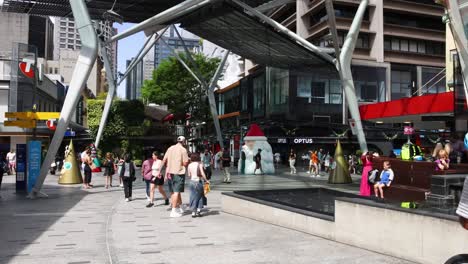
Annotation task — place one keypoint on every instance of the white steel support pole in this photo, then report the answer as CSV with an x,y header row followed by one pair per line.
x,y
458,32
347,76
84,64
110,93
163,17
212,101
306,44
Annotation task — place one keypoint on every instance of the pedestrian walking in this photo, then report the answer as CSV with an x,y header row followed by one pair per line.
x,y
176,159
120,163
11,159
109,169
128,176
86,164
258,161
327,162
207,160
226,162
196,174
3,168
314,170
292,161
218,159
151,170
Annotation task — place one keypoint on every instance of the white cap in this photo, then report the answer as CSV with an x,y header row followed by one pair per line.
x,y
181,139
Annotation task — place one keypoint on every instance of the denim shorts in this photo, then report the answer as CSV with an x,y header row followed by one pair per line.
x,y
178,182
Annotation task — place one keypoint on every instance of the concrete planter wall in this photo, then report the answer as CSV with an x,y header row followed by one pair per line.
x,y
415,237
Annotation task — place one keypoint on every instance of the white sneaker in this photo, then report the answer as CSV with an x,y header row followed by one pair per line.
x,y
308,172
147,198
181,210
121,185
127,200
175,214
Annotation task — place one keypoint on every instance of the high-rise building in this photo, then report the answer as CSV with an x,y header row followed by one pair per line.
x,y
68,44
161,51
134,81
148,65
22,28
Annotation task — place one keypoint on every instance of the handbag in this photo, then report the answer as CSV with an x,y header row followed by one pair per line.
x,y
206,188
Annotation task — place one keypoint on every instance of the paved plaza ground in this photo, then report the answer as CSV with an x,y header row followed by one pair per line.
x,y
98,226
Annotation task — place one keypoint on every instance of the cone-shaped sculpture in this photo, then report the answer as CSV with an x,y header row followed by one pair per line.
x,y
71,173
341,172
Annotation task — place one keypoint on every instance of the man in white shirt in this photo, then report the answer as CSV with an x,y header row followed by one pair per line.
x,y
11,158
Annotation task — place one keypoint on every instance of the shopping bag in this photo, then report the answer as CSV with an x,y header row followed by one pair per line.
x,y
206,188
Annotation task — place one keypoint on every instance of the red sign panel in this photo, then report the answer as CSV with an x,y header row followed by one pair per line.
x,y
27,69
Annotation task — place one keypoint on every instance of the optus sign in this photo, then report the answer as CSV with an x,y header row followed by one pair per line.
x,y
303,141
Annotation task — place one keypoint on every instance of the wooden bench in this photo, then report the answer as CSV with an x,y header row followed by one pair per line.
x,y
413,178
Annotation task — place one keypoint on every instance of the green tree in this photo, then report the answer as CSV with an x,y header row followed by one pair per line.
x,y
126,119
174,86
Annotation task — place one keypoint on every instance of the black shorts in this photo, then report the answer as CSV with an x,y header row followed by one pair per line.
x,y
157,181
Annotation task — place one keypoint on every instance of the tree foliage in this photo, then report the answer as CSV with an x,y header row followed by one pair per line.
x,y
126,118
174,86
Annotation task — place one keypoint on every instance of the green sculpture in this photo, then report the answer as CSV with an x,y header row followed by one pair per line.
x,y
340,173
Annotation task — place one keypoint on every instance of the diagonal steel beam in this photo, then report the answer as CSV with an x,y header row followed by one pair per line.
x,y
273,4
110,93
347,76
306,44
145,51
83,67
163,17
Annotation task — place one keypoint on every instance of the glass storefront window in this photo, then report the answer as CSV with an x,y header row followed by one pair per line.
x,y
401,84
433,80
279,86
259,95
369,83
244,86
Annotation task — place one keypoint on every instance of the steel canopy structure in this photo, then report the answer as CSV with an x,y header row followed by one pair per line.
x,y
228,26
237,25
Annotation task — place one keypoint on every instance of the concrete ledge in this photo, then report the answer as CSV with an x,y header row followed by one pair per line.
x,y
419,237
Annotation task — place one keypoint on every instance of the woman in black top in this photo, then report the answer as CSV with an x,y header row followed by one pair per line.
x,y
109,169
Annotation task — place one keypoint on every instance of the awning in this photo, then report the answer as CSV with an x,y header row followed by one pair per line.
x,y
425,112
228,26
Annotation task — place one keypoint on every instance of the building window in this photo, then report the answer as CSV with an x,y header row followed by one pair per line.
x,y
335,92
244,94
63,24
63,29
56,70
63,35
70,47
62,40
71,35
220,104
369,83
62,46
71,30
279,86
259,95
422,47
433,80
71,41
401,84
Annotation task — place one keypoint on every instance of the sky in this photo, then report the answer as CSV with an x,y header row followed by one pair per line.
x,y
127,48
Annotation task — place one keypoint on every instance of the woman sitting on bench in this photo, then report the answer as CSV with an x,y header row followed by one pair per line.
x,y
386,178
442,163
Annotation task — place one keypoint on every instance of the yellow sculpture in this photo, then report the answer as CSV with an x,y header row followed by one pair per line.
x,y
70,173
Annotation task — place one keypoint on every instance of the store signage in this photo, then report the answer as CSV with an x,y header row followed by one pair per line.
x,y
34,162
303,141
282,141
408,130
27,67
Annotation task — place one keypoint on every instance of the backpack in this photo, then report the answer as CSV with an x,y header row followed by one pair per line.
x,y
373,176
408,151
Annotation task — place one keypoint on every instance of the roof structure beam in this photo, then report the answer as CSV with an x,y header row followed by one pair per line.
x,y
163,17
306,44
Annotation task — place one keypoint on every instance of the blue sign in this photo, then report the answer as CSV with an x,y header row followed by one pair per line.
x,y
34,162
20,167
69,133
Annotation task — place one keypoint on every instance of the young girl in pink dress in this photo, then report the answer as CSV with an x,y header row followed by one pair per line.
x,y
366,158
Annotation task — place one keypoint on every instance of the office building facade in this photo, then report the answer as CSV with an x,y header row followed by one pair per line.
x,y
162,52
134,81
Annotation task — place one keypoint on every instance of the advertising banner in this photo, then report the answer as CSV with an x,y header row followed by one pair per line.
x,y
21,167
34,162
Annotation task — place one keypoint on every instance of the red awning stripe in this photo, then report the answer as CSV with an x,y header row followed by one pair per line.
x,y
418,105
